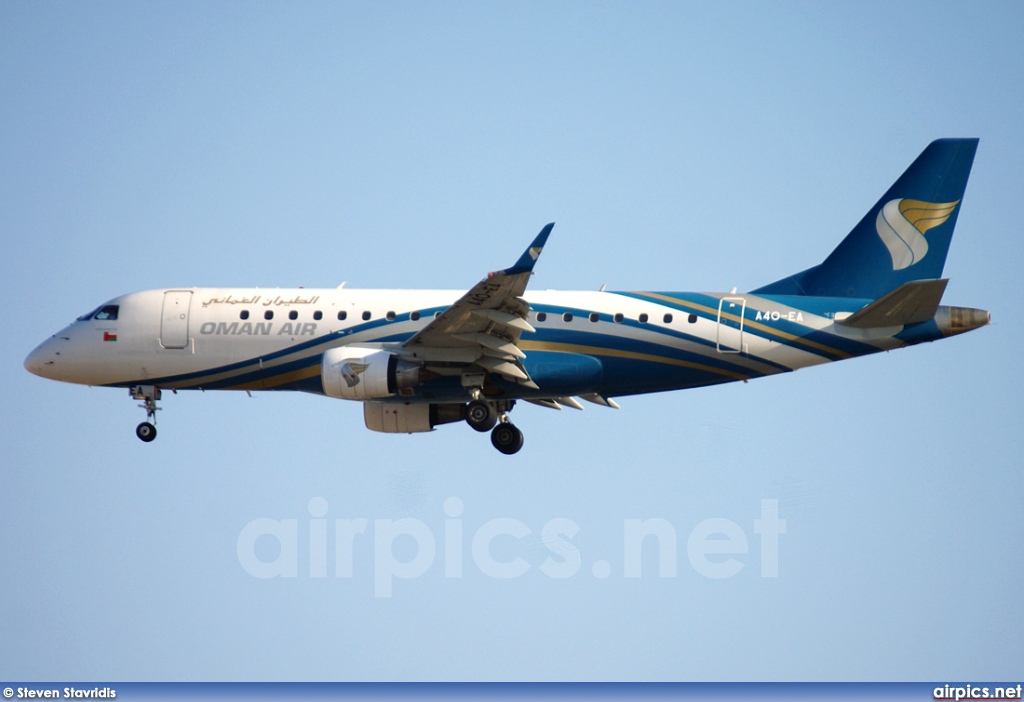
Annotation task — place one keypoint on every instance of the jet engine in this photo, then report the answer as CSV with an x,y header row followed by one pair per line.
x,y
356,373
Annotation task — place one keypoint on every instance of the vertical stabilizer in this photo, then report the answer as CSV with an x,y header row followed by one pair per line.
x,y
904,237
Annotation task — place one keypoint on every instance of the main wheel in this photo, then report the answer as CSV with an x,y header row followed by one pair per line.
x,y
481,415
146,432
507,438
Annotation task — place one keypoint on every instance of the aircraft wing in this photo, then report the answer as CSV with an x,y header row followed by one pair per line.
x,y
487,321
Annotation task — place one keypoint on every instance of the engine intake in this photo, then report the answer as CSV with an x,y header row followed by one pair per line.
x,y
356,373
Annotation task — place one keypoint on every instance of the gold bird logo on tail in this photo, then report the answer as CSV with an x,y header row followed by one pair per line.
x,y
901,224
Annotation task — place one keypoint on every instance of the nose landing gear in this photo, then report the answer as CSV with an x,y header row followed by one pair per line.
x,y
146,431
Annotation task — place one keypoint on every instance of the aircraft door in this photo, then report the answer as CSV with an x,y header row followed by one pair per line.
x,y
730,324
174,319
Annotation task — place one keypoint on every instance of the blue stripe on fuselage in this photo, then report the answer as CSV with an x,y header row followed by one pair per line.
x,y
806,338
673,348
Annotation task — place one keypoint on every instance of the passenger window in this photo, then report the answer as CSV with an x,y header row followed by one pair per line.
x,y
542,316
342,315
594,317
668,319
692,319
390,316
269,314
293,315
318,315
107,313
567,317
642,318
366,316
414,316
244,314
619,318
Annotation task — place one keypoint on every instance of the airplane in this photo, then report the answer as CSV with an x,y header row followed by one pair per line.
x,y
417,359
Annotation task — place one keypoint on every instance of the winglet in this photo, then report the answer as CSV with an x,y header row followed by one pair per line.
x,y
529,258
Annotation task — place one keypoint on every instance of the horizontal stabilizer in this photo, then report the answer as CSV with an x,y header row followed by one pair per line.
x,y
913,302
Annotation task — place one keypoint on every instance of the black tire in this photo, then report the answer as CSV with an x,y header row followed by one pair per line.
x,y
481,415
146,432
507,438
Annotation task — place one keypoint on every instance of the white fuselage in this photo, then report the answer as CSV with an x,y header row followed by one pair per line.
x,y
195,337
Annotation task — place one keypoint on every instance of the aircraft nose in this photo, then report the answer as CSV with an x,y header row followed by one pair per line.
x,y
43,359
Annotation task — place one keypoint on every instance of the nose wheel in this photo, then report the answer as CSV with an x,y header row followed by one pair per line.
x,y
149,394
145,431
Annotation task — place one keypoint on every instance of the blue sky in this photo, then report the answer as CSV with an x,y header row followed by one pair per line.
x,y
678,146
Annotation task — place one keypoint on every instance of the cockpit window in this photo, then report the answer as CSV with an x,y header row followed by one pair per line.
x,y
89,315
107,312
104,312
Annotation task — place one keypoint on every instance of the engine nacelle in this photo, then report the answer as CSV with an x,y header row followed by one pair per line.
x,y
409,417
356,373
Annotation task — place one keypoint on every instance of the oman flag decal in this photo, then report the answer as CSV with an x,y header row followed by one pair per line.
x,y
107,336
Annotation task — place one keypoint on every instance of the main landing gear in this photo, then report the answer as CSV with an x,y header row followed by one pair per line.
x,y
481,415
149,394
489,416
507,438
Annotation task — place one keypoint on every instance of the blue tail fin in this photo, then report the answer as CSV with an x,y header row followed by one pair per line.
x,y
904,237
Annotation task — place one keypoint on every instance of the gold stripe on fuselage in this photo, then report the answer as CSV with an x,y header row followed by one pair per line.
x,y
747,323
